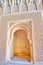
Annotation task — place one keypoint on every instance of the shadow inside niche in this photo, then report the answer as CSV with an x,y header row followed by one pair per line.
x,y
21,46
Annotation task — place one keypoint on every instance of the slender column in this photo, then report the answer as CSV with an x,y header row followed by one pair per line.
x,y
14,7
39,5
10,2
8,53
23,5
6,8
31,6
19,2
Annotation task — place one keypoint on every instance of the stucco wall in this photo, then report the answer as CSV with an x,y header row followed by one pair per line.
x,y
37,29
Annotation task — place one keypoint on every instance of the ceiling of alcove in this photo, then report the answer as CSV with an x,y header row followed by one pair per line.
x,y
21,46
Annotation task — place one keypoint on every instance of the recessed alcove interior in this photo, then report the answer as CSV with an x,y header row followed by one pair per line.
x,y
20,44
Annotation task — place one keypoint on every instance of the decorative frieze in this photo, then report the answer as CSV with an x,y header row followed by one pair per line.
x,y
12,6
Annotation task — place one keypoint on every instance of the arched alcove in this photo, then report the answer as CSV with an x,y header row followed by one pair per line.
x,y
18,29
21,45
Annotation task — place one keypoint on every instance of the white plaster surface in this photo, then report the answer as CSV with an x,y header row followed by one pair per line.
x,y
37,33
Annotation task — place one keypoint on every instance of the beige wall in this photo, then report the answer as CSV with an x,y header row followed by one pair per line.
x,y
37,29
